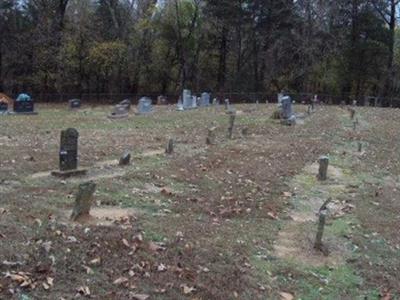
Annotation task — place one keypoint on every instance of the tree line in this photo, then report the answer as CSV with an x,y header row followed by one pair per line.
x,y
341,47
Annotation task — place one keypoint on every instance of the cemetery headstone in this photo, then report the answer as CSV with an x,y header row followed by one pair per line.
x,y
227,104
211,136
352,113
119,112
280,97
288,116
205,99
24,104
323,168
74,103
314,101
125,159
355,125
162,100
68,155
194,102
187,99
179,106
127,103
170,147
145,106
69,150
232,118
83,201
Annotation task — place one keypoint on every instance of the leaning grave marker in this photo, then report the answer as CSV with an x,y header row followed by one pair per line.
x,y
120,112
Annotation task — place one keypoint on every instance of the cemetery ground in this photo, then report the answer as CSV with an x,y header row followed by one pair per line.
x,y
234,220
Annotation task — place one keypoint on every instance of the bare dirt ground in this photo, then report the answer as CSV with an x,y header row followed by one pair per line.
x,y
235,220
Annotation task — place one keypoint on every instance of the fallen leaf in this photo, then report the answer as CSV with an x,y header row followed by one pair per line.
x,y
155,248
45,286
272,215
95,261
126,243
120,280
50,281
286,296
188,289
161,268
83,290
139,296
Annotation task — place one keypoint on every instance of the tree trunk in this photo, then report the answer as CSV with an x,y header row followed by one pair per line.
x,y
222,61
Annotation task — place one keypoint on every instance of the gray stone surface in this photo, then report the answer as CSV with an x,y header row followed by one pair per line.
x,y
83,201
289,118
119,112
74,103
127,103
194,102
205,99
211,136
179,106
162,100
187,99
125,159
170,147
145,106
69,149
323,168
227,104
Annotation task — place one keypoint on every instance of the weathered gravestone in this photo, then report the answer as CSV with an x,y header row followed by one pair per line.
x,y
119,112
288,117
323,168
68,156
194,102
127,103
162,100
211,136
170,147
232,118
125,159
187,99
318,245
24,104
205,99
179,106
145,106
83,202
74,103
227,104
280,97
